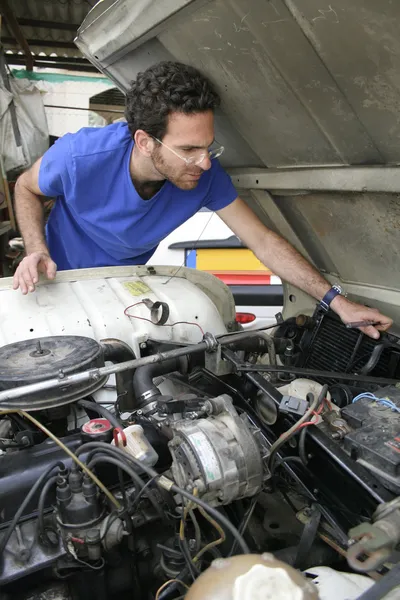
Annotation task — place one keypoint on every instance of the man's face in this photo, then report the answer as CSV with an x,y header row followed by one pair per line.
x,y
188,136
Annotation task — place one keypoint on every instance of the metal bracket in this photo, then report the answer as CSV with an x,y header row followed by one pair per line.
x,y
154,307
216,364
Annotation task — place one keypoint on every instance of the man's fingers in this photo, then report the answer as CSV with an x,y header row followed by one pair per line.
x,y
27,277
371,331
33,276
15,281
51,269
385,325
22,285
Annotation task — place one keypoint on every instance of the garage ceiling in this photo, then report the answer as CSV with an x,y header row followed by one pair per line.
x,y
41,33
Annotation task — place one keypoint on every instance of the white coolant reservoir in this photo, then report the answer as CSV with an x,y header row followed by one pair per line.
x,y
301,387
133,441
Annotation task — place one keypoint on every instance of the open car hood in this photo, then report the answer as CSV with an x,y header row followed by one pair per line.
x,y
310,117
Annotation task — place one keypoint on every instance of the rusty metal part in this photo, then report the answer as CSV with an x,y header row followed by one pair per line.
x,y
371,544
336,424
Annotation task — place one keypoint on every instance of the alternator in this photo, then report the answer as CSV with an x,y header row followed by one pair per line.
x,y
218,455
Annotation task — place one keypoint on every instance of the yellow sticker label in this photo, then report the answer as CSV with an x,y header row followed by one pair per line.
x,y
136,288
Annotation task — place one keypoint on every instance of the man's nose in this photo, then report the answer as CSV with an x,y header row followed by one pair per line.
x,y
205,164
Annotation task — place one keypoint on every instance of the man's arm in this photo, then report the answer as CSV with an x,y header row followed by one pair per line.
x,y
284,260
30,217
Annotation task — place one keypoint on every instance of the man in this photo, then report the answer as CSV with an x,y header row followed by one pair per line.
x,y
120,190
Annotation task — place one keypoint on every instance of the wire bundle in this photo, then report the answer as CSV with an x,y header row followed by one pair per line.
x,y
383,401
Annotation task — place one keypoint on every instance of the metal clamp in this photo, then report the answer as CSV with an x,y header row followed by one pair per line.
x,y
154,307
210,341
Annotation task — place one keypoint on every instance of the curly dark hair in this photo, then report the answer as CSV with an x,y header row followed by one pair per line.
x,y
164,88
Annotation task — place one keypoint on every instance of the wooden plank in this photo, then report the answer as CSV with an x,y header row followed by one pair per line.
x,y
6,192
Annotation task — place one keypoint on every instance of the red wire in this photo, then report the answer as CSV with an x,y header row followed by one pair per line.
x,y
315,413
166,324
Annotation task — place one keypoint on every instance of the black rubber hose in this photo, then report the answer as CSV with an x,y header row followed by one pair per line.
x,y
42,500
34,489
373,359
302,446
101,410
117,351
172,488
143,378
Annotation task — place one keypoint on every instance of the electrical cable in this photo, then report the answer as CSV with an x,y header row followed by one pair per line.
x,y
34,489
383,401
285,436
170,486
142,492
194,571
73,456
197,532
214,513
164,585
245,523
121,455
214,543
42,530
132,474
161,325
192,568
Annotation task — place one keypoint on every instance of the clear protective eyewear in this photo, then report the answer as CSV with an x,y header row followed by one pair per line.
x,y
195,159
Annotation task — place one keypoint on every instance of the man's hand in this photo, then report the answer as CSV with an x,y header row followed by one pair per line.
x,y
351,312
27,274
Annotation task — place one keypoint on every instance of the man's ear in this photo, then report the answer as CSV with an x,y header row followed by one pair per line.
x,y
144,142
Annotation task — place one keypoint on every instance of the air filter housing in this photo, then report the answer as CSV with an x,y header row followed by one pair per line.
x,y
31,361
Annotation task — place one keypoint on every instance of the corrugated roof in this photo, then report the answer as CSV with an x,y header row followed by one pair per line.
x,y
50,27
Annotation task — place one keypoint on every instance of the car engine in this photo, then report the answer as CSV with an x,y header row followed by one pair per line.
x,y
243,443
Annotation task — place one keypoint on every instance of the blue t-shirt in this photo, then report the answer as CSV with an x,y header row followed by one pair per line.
x,y
99,219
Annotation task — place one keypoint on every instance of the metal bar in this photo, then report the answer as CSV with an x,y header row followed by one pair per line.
x,y
88,109
38,42
260,382
17,33
63,381
47,24
312,372
371,178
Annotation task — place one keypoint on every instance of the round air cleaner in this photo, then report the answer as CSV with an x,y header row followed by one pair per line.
x,y
32,361
97,430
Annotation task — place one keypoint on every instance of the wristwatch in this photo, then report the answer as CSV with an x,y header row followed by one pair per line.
x,y
329,296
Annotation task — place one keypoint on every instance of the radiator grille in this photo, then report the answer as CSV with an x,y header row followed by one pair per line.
x,y
333,350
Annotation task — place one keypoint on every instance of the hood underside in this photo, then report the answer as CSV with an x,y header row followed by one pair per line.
x,y
310,116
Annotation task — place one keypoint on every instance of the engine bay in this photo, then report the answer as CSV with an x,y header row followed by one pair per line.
x,y
246,442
